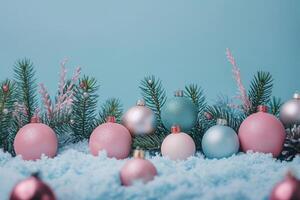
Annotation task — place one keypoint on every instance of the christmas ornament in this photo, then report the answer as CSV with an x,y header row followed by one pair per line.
x,y
139,120
288,189
35,139
291,146
112,137
137,169
262,132
32,188
290,111
178,145
179,111
220,141
5,88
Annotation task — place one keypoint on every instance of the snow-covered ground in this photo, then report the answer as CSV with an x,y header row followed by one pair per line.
x,y
75,174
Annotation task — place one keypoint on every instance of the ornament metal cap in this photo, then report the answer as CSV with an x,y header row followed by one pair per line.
x,y
296,95
140,102
111,119
139,154
178,93
222,122
262,108
175,129
34,119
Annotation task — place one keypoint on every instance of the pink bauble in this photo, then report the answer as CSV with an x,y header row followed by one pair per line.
x,y
112,137
178,145
32,188
288,189
262,132
137,169
35,139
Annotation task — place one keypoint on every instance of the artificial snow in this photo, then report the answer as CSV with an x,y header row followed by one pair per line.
x,y
75,174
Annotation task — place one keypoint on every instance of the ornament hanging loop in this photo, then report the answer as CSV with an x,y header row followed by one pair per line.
x,y
35,119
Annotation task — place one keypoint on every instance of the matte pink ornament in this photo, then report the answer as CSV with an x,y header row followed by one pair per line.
x,y
112,137
262,132
178,145
288,189
35,139
137,169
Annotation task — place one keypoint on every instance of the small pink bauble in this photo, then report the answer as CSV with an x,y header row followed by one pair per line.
x,y
288,189
137,169
112,137
178,145
35,139
262,132
32,188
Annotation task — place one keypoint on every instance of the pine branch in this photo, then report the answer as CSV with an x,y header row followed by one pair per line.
x,y
234,120
7,100
24,75
260,90
196,94
274,105
111,107
84,108
153,94
155,97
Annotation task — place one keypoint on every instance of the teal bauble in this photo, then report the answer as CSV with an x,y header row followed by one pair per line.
x,y
179,111
220,141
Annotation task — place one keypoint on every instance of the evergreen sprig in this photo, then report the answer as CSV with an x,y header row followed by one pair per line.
x,y
155,97
26,87
274,105
111,107
7,100
84,108
260,90
196,94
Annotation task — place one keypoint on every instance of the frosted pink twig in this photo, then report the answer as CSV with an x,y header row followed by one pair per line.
x,y
237,76
46,100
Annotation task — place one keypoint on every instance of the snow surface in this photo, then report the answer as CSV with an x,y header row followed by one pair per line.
x,y
75,174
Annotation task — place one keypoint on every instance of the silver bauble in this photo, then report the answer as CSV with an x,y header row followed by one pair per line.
x,y
290,111
139,119
220,141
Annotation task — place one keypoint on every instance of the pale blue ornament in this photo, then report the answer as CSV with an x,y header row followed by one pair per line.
x,y
220,141
179,111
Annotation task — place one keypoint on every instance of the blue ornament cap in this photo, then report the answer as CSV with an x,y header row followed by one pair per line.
x,y
181,111
220,141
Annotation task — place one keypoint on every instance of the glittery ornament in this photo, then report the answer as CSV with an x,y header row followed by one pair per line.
x,y
5,88
112,137
178,145
35,139
220,141
262,132
179,111
137,169
288,189
32,188
290,111
139,119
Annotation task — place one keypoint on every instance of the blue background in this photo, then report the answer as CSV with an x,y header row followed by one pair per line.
x,y
181,42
